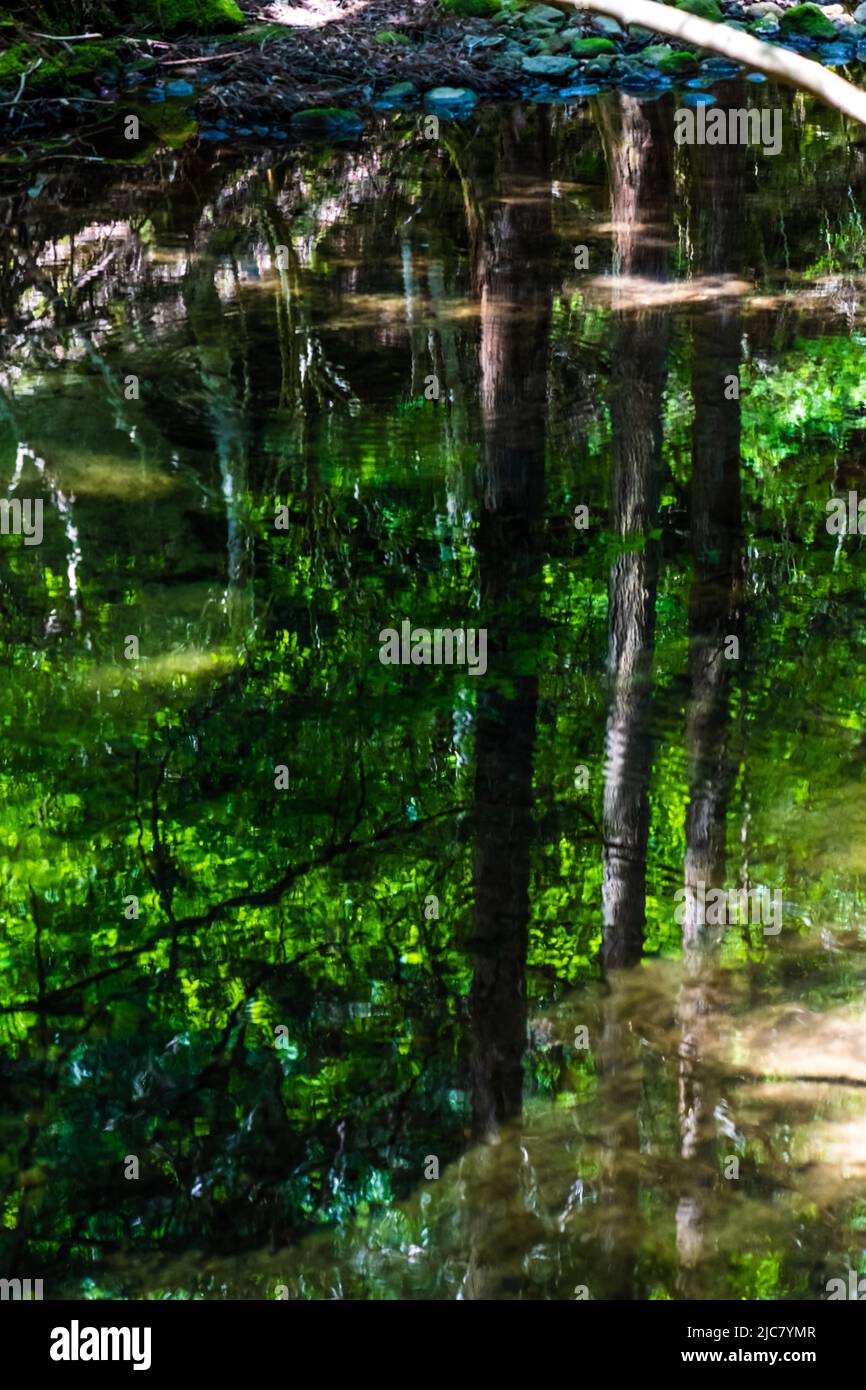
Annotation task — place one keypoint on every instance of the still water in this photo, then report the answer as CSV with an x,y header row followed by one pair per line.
x,y
331,978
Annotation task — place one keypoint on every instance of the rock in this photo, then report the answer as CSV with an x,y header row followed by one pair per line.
x,y
834,11
640,35
809,21
555,69
179,16
473,9
835,55
603,24
179,88
327,122
764,7
855,31
401,94
705,9
555,43
482,41
696,99
656,52
451,103
541,15
591,48
767,24
601,66
669,61
860,14
720,67
634,78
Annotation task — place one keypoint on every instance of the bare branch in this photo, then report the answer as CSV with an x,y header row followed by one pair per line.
x,y
734,44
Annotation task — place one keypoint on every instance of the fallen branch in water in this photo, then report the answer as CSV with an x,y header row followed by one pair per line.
x,y
734,44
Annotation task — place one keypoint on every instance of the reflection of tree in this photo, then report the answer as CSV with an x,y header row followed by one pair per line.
x,y
227,419
637,148
716,219
512,249
513,278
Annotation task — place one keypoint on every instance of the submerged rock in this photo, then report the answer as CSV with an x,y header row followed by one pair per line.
x,y
450,102
580,89
638,79
327,122
835,55
720,67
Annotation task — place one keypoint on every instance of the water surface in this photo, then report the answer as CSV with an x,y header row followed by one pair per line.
x,y
447,935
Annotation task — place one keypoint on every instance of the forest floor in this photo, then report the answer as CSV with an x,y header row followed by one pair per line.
x,y
313,68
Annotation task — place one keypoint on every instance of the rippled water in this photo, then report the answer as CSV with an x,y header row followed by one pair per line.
x,y
553,378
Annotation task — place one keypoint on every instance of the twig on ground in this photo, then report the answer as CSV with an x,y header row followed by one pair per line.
x,y
211,58
22,84
66,38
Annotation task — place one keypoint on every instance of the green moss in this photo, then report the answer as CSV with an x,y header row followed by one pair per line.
x,y
672,63
327,122
478,8
15,61
808,20
59,72
704,9
198,16
590,48
390,36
